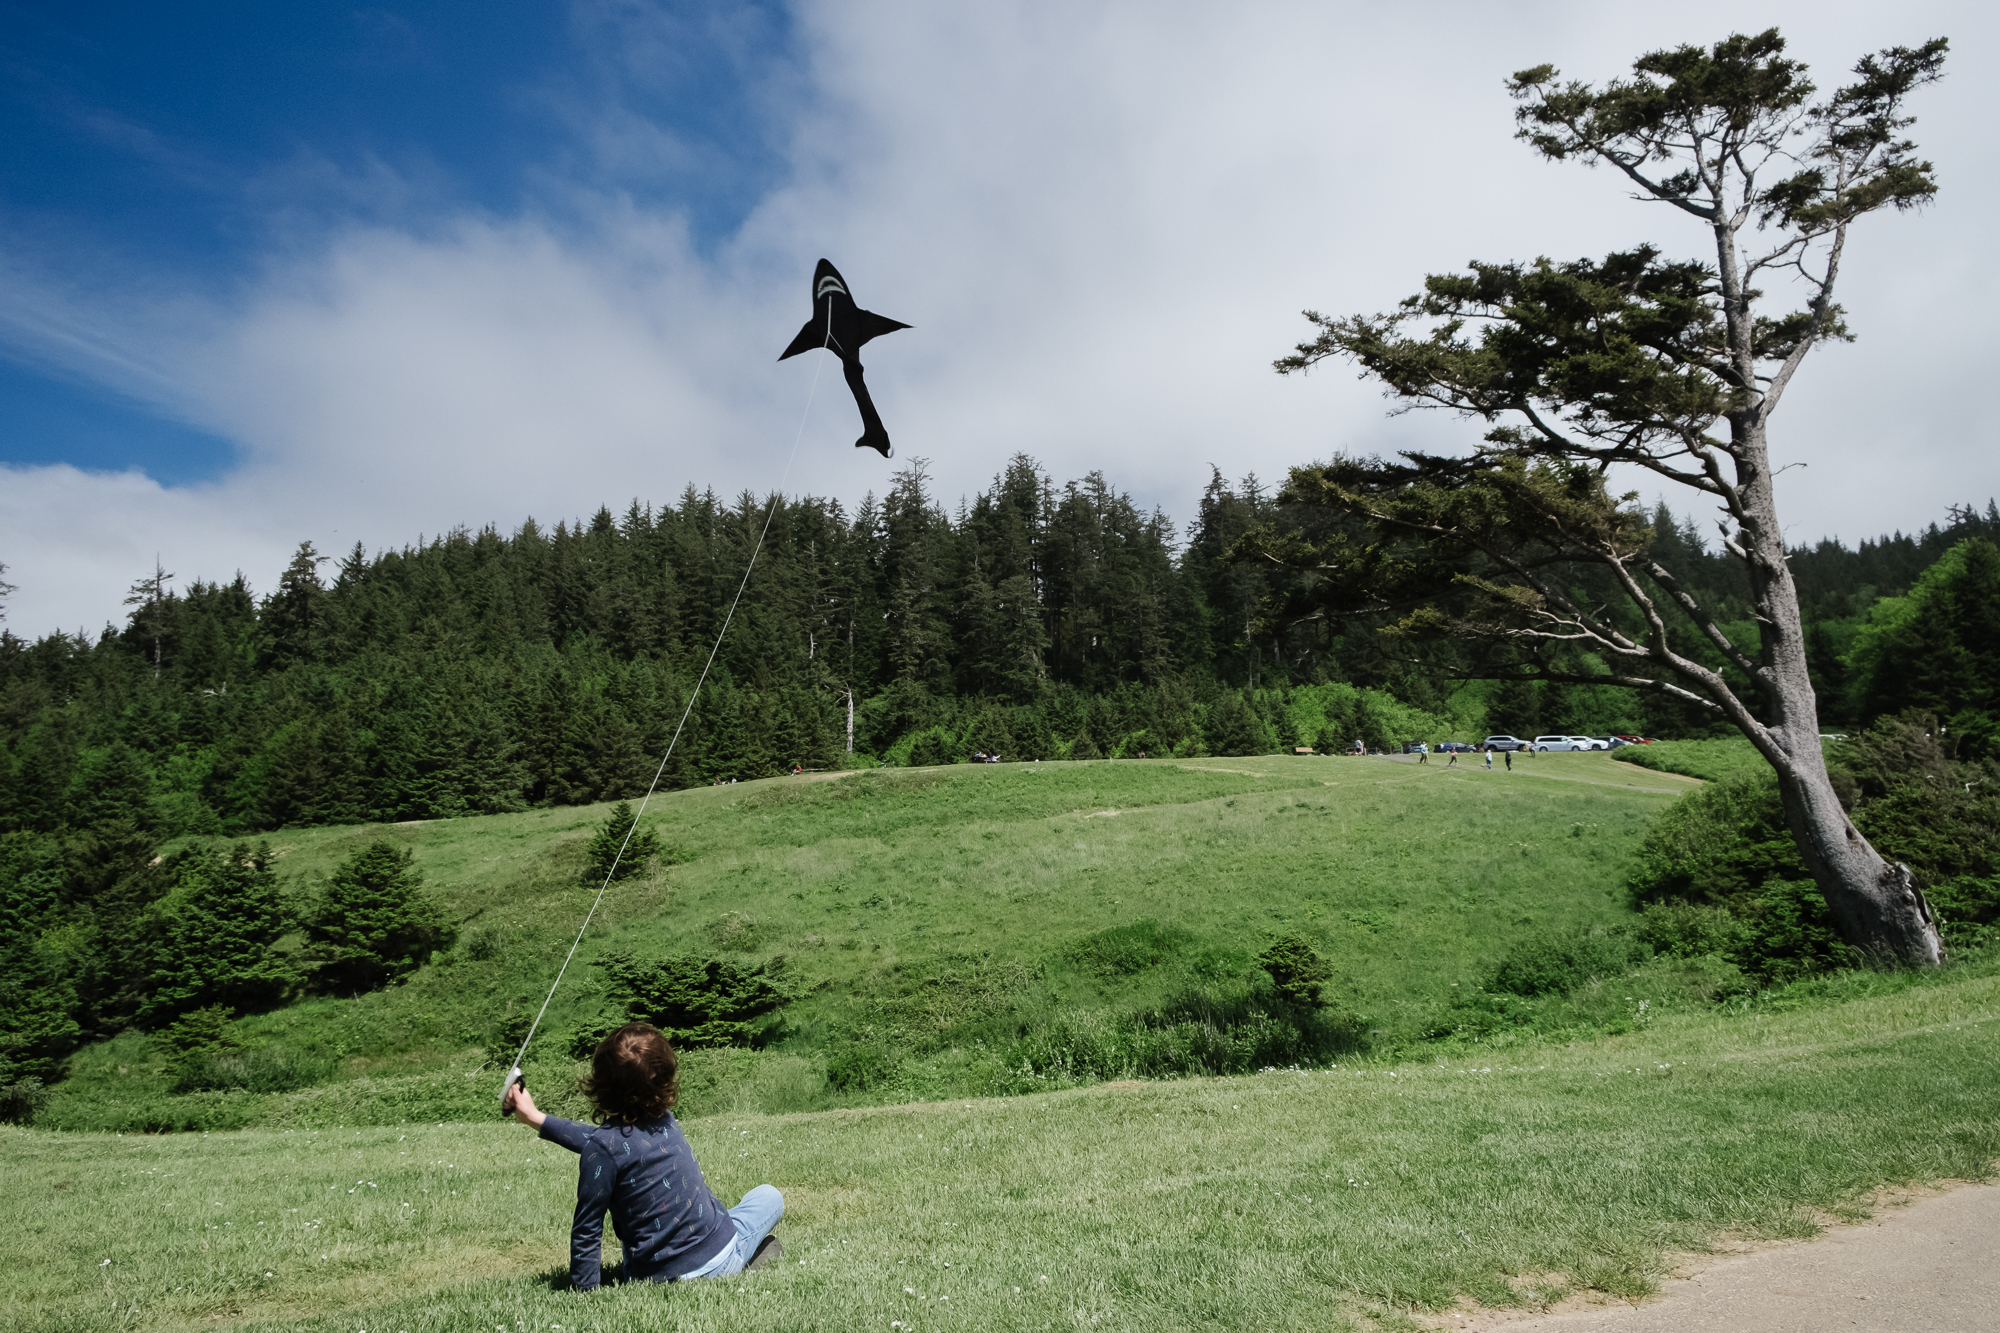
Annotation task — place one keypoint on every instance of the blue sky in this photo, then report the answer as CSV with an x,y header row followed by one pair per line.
x,y
281,272
195,139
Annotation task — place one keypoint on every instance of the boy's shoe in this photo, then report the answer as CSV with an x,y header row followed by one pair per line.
x,y
768,1252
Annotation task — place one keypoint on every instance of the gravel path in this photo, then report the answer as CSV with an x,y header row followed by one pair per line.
x,y
1930,1267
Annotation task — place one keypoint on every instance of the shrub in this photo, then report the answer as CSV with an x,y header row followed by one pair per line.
x,y
266,1069
1558,964
22,1096
195,1037
1679,929
1129,949
1727,846
858,1067
373,923
1198,1033
698,1001
1298,973
933,746
1717,845
1790,934
618,851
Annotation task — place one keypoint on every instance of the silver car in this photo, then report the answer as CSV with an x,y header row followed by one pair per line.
x,y
1545,743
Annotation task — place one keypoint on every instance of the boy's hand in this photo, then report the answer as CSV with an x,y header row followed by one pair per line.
x,y
522,1107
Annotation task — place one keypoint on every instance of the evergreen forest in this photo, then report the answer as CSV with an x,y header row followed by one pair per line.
x,y
484,672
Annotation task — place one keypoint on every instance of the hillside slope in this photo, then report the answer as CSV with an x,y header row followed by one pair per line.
x,y
926,922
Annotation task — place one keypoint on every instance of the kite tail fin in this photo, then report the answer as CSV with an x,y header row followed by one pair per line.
x,y
873,436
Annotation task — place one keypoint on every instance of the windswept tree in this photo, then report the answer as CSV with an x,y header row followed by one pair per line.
x,y
1517,561
150,595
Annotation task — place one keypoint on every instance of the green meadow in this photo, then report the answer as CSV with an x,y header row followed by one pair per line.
x,y
933,918
1709,760
973,927
1351,1197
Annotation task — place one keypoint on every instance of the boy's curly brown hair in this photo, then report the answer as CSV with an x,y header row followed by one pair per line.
x,y
634,1076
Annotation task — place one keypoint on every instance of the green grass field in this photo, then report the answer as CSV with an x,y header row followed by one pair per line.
x,y
946,913
1329,1199
1711,761
937,912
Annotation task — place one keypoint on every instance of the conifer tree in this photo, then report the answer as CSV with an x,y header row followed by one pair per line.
x,y
373,922
292,619
617,850
213,935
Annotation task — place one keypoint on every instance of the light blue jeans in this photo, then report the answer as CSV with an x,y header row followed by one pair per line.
x,y
754,1217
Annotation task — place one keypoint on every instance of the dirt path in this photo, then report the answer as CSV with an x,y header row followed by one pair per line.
x,y
1930,1267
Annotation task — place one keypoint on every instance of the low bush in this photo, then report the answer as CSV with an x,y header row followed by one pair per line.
x,y
859,1066
932,747
266,1069
1726,849
1558,964
1199,1032
695,1001
1297,971
1675,928
1126,950
22,1097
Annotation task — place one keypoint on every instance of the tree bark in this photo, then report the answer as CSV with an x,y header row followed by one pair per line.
x,y
1876,903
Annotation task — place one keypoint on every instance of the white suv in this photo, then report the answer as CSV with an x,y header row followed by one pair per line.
x,y
1569,743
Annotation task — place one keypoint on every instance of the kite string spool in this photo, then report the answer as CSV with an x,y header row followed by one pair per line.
x,y
770,512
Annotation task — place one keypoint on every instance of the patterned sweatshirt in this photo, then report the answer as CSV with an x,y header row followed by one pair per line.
x,y
662,1210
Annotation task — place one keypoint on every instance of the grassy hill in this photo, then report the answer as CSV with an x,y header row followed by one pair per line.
x,y
954,931
984,930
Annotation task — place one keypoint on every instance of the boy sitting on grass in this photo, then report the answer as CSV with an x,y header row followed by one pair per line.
x,y
637,1163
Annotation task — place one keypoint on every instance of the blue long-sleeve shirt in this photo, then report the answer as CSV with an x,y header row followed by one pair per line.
x,y
665,1216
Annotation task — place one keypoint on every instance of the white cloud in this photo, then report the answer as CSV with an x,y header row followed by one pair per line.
x,y
1102,222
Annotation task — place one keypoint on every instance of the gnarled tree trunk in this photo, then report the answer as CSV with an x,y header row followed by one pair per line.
x,y
1875,902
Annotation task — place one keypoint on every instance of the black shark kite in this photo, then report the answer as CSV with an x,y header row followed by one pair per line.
x,y
841,327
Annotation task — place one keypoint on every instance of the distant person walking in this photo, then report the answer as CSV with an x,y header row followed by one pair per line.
x,y
1510,760
1489,759
1453,761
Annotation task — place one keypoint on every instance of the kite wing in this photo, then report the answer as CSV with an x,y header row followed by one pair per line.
x,y
811,336
874,326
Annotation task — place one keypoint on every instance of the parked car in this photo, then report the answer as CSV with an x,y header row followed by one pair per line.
x,y
1545,743
1455,747
1503,743
1636,740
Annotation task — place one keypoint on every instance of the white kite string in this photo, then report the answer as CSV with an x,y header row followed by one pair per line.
x,y
755,551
